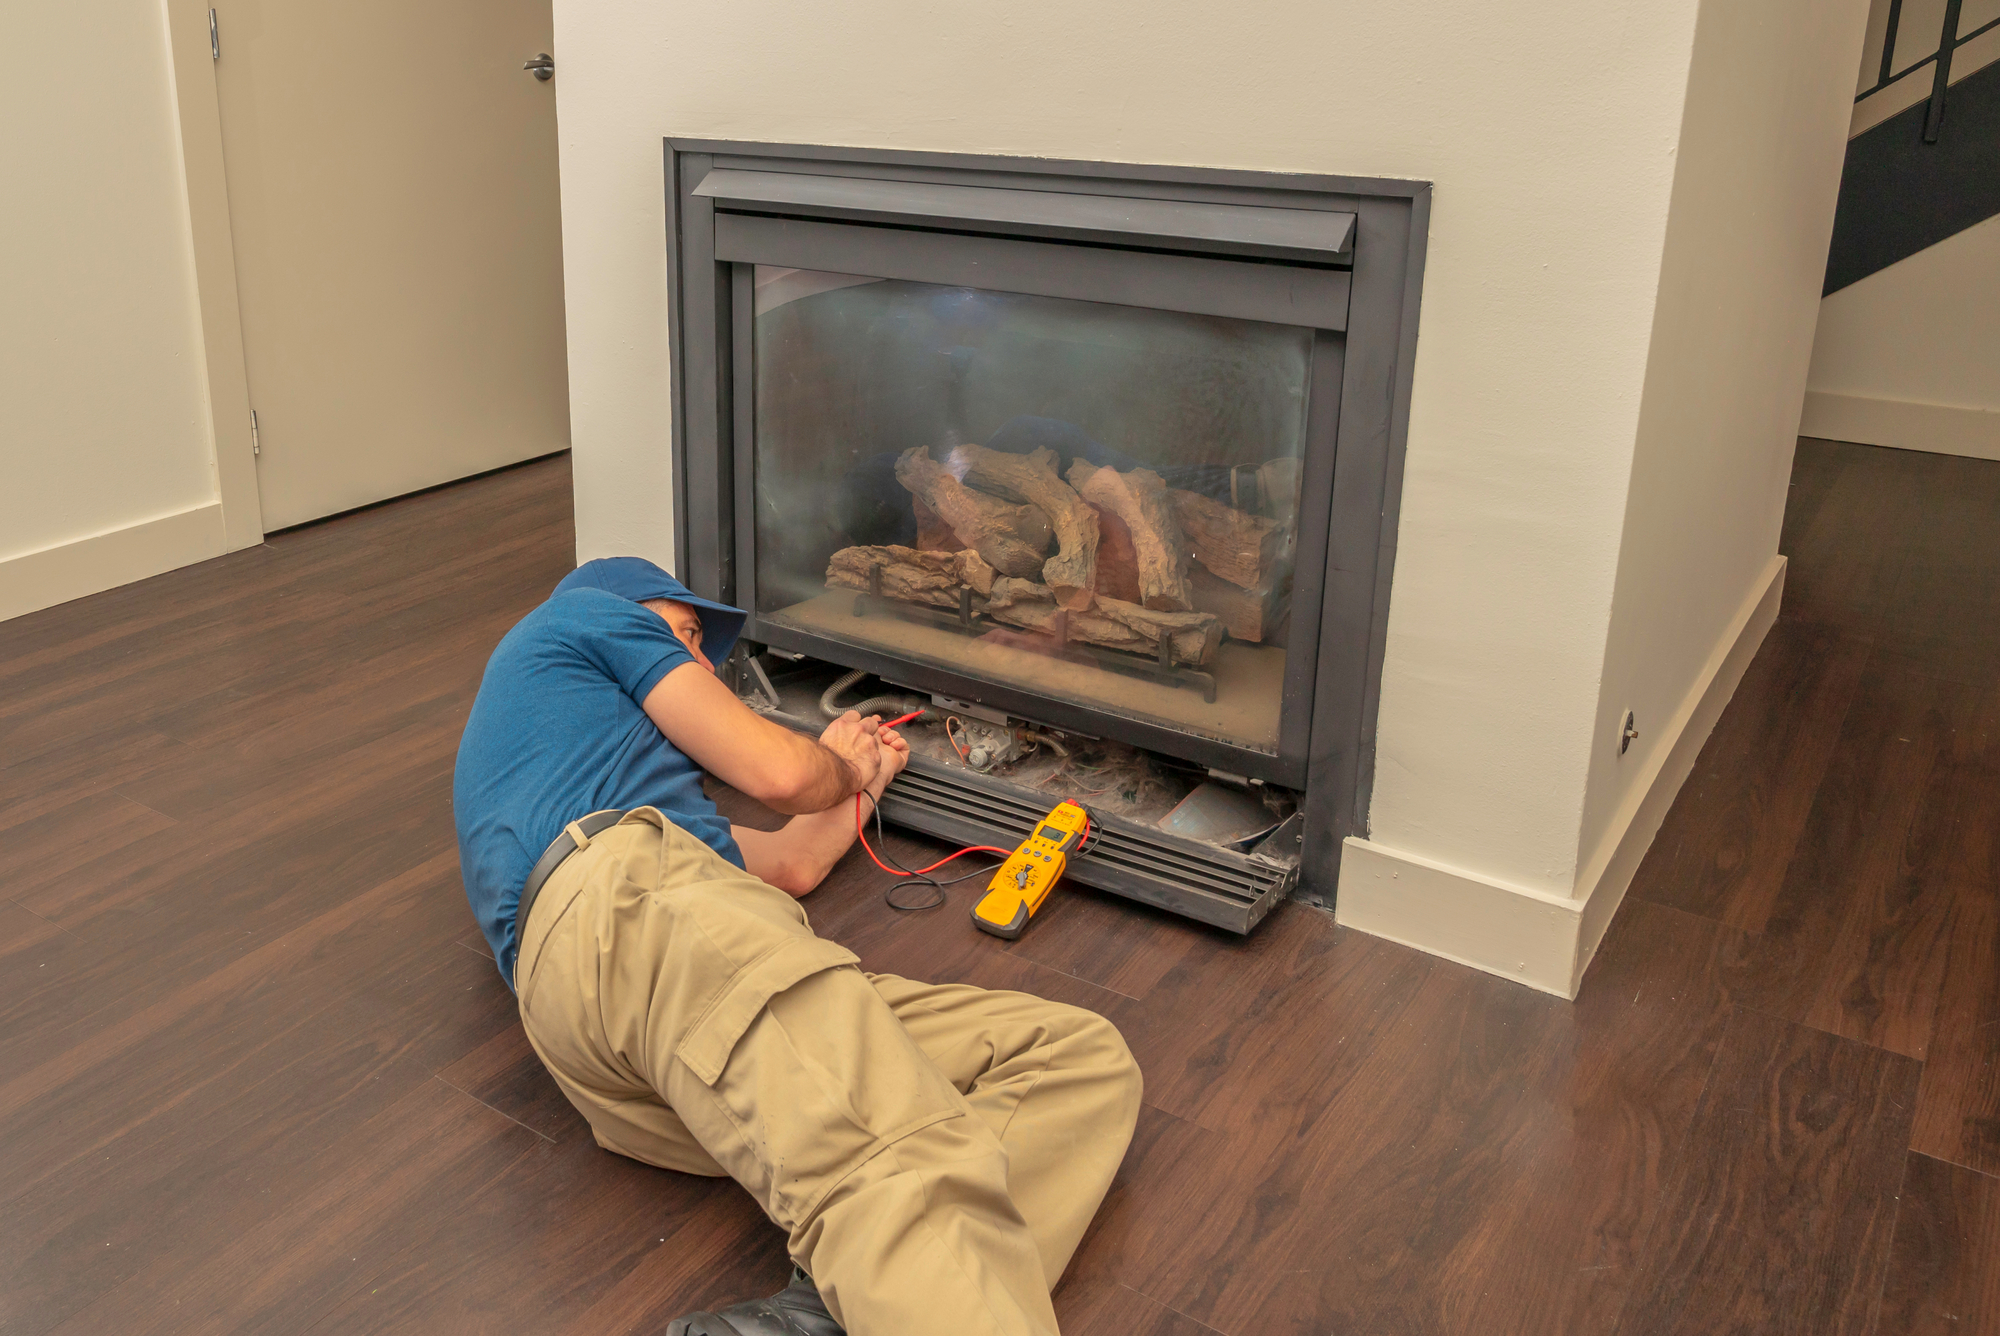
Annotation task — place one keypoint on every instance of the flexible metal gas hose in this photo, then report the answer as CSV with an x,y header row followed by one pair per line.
x,y
887,706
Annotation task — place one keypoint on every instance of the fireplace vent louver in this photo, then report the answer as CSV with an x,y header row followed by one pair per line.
x,y
1205,882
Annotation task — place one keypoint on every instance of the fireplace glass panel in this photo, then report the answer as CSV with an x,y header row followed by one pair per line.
x,y
1092,502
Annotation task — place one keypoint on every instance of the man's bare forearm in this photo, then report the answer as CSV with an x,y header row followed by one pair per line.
x,y
824,778
797,857
758,756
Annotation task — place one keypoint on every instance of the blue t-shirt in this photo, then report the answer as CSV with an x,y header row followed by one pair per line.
x,y
557,732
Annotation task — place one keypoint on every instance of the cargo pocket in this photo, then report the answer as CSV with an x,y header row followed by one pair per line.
x,y
706,1046
812,1073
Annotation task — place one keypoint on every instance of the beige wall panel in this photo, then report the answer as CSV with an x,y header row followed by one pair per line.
x,y
1761,150
1924,332
103,409
1549,128
1909,357
393,196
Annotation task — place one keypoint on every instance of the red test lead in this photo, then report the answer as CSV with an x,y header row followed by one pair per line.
x,y
862,835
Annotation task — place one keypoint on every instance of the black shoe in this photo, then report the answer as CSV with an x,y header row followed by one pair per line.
x,y
796,1310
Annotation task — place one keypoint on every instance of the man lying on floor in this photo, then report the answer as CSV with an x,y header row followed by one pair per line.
x,y
933,1151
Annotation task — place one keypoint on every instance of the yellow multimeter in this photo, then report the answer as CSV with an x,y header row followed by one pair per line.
x,y
1023,882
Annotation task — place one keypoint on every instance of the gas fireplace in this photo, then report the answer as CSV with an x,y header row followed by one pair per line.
x,y
1098,463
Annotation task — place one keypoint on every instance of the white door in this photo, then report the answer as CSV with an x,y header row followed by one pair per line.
x,y
392,190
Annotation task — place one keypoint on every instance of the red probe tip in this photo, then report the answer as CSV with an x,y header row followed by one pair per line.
x,y
904,719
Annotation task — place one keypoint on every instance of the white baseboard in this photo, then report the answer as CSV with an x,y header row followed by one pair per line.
x,y
1942,429
1513,931
1538,938
37,580
1608,870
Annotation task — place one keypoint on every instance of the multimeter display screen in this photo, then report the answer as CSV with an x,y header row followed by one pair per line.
x,y
1051,833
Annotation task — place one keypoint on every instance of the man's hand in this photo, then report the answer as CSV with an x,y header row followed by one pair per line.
x,y
858,742
758,756
798,857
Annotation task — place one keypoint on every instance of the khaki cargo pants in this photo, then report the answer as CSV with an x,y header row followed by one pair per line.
x,y
935,1152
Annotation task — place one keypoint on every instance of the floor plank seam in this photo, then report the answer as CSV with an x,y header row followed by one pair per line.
x,y
1695,914
1175,1311
1642,1254
1889,1249
484,1105
1819,1029
1102,987
68,932
1958,1164
154,810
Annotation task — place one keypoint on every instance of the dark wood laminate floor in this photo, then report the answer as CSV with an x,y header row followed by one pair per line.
x,y
257,1073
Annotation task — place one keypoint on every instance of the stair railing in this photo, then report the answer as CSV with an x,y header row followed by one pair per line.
x,y
1948,42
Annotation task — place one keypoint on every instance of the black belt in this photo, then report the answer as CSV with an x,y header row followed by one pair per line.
x,y
561,847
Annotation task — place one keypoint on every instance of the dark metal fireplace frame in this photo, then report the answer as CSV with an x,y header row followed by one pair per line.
x,y
1343,255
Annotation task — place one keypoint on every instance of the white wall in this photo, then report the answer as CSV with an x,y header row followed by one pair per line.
x,y
1761,151
1550,129
104,426
1910,355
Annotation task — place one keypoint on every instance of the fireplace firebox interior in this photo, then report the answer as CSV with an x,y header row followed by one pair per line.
x,y
1097,464
1099,500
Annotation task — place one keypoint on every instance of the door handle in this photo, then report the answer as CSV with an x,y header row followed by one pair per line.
x,y
543,67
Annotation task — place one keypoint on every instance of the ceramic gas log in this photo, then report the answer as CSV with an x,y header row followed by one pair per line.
x,y
1109,622
943,579
1012,538
1139,498
1240,547
1071,574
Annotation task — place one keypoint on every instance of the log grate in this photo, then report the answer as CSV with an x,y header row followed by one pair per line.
x,y
968,620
